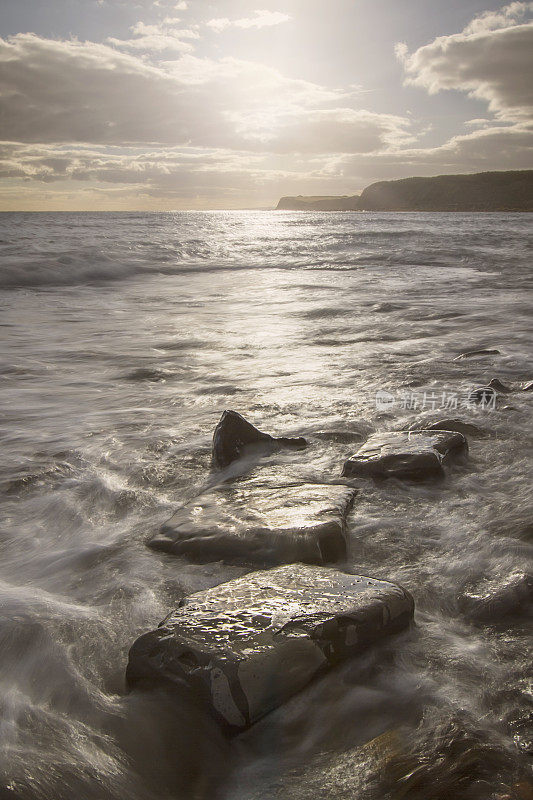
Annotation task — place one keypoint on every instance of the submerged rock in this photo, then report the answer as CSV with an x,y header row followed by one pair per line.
x,y
412,455
485,397
496,599
261,521
248,645
234,437
498,386
339,436
474,353
459,426
149,374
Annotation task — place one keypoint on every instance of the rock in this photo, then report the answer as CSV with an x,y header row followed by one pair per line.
x,y
261,521
474,353
457,425
248,645
411,455
528,387
498,386
334,774
234,437
485,396
497,599
339,436
149,374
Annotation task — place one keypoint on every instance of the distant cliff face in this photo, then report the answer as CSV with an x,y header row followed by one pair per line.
x,y
483,191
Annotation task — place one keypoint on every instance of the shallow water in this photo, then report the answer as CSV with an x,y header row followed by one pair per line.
x,y
124,336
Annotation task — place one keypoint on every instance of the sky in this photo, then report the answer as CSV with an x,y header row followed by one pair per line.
x,y
188,104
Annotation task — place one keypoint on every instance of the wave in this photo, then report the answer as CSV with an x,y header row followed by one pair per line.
x,y
56,250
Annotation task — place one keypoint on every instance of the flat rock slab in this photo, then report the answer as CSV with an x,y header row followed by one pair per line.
x,y
235,437
261,521
248,645
408,455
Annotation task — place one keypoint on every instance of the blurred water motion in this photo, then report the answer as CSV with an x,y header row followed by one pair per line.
x,y
124,338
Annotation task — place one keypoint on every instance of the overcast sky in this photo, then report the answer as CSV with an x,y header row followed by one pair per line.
x,y
136,104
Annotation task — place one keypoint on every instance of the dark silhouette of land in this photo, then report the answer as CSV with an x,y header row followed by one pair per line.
x,y
482,191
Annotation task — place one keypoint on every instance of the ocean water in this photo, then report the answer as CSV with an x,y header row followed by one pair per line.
x,y
123,338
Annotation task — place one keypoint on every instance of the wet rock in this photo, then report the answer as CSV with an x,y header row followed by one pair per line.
x,y
336,774
385,308
261,521
248,645
410,455
496,599
498,386
339,436
475,353
485,396
459,426
528,387
234,437
149,374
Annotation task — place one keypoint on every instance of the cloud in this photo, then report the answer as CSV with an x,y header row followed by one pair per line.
x,y
149,117
262,19
487,149
171,174
158,37
506,17
490,60
181,6
220,176
493,148
70,91
332,130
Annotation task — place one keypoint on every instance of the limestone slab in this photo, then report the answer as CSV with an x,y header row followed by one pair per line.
x,y
247,645
411,455
261,521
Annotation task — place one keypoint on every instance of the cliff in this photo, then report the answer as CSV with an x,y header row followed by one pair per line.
x,y
482,191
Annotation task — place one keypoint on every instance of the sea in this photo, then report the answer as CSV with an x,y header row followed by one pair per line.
x,y
124,336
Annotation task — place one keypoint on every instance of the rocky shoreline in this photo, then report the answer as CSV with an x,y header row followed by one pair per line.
x,y
244,647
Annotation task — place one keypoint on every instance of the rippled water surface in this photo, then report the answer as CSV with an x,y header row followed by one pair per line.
x,y
124,336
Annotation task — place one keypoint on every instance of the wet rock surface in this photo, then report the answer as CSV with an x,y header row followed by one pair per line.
x,y
498,386
476,353
484,396
260,521
235,437
247,645
458,426
339,436
497,599
410,455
